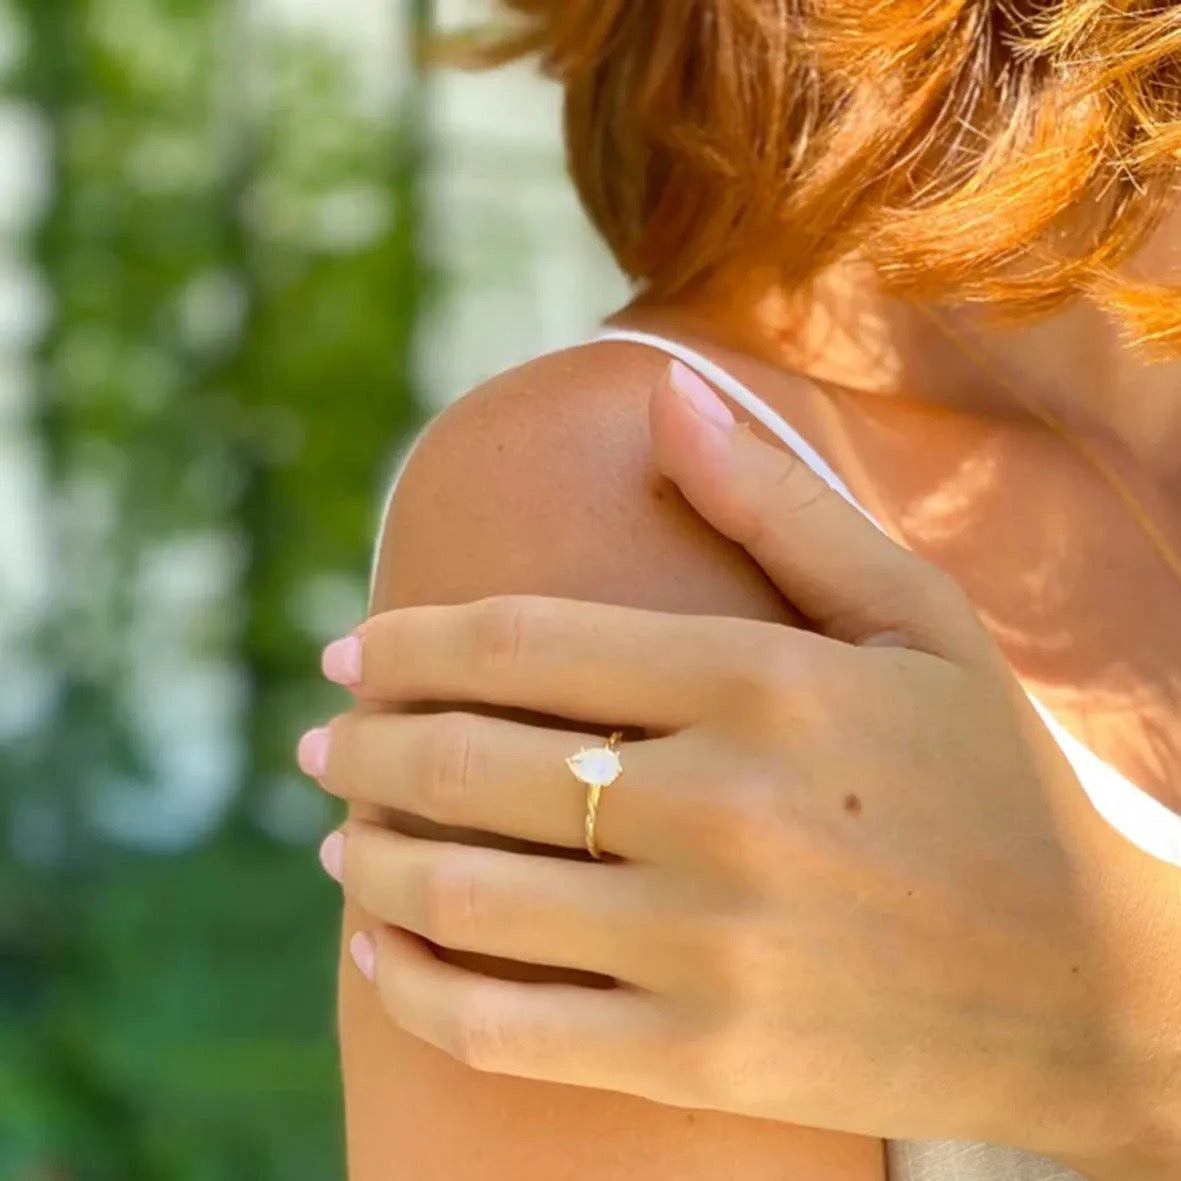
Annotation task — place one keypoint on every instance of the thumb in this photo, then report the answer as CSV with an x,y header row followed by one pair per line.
x,y
823,553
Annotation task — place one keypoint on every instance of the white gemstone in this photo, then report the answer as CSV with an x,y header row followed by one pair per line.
x,y
596,768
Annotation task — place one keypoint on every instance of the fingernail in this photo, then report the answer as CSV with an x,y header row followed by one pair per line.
x,y
312,754
332,855
364,953
697,393
341,661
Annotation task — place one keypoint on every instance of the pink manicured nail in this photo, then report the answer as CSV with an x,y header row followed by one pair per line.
x,y
332,855
696,391
341,661
313,752
364,952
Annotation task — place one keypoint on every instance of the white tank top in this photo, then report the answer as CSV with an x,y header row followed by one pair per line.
x,y
1130,810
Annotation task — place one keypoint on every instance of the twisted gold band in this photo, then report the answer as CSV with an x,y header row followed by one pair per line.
x,y
596,769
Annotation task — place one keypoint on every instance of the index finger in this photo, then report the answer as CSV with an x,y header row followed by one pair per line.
x,y
589,662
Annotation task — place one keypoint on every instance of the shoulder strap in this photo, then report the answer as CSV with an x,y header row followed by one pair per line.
x,y
1138,816
745,397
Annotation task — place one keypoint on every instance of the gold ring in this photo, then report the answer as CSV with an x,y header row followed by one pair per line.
x,y
596,769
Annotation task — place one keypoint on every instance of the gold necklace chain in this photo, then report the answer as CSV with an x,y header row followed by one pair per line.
x,y
1081,445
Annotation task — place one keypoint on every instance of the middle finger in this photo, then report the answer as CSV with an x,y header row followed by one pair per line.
x,y
510,906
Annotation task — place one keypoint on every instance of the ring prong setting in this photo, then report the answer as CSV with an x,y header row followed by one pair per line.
x,y
595,769
598,767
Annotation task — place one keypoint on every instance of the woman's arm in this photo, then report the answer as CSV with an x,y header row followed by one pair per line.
x,y
541,483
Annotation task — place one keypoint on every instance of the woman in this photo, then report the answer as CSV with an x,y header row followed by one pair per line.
x,y
850,878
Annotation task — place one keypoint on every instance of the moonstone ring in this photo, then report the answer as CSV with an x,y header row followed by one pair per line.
x,y
596,769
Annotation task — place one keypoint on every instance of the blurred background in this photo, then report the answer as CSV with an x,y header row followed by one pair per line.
x,y
245,250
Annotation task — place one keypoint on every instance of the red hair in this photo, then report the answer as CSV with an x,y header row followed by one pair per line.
x,y
1012,152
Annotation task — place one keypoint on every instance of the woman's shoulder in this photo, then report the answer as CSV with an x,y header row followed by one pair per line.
x,y
585,406
541,481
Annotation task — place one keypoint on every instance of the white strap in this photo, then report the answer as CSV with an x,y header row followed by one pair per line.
x,y
748,400
1129,809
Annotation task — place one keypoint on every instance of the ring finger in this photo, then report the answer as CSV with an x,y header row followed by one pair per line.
x,y
485,774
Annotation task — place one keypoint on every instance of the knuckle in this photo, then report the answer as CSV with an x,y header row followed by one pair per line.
x,y
738,951
944,591
499,631
449,902
702,1066
445,775
942,611
706,1066
795,489
383,640
777,670
734,949
910,600
925,595
764,683
478,1037
736,824
737,819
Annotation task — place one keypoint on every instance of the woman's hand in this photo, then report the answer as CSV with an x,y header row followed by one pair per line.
x,y
854,883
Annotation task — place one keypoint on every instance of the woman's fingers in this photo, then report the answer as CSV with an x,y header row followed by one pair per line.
x,y
512,906
823,552
608,1039
588,662
489,775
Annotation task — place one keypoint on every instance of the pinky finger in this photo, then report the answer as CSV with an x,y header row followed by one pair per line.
x,y
611,1039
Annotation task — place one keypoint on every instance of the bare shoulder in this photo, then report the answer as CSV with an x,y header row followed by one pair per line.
x,y
541,481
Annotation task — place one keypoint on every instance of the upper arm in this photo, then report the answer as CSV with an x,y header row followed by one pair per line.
x,y
542,483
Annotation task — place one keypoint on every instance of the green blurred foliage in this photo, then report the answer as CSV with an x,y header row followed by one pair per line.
x,y
228,257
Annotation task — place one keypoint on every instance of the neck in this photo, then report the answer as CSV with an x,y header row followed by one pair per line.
x,y
847,332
